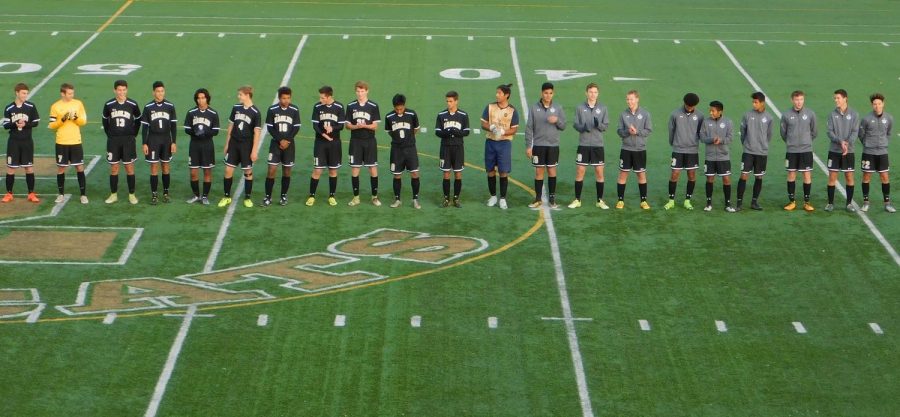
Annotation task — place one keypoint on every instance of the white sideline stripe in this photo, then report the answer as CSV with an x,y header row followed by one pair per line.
x,y
575,351
262,320
110,318
340,320
492,323
163,381
62,64
876,328
415,321
799,327
226,222
862,215
721,327
645,325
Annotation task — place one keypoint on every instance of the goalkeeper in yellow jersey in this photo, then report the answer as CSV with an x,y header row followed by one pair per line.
x,y
67,116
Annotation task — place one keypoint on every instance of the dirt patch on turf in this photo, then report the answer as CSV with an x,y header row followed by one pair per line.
x,y
15,295
44,166
20,207
55,245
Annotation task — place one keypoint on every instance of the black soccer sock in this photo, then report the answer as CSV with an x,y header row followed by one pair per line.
x,y
397,187
709,192
373,182
29,182
207,185
672,187
757,187
538,189
285,185
492,185
642,189
354,181
61,183
10,180
195,187
886,191
270,184
457,188
113,184
742,186
690,189
865,189
248,188
807,189
227,189
82,183
850,190
726,189
791,189
332,186
620,191
313,184
446,185
599,186
167,179
129,179
551,188
415,188
154,183
504,185
578,186
831,189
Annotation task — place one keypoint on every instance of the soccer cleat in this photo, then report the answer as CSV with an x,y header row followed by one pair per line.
x,y
492,201
669,205
888,207
7,198
375,201
416,204
688,205
266,202
708,207
83,199
354,201
602,205
456,202
193,199
645,205
829,207
248,203
332,201
553,204
620,204
59,199
535,204
283,200
154,199
503,205
730,209
808,207
865,206
310,201
32,197
166,198
790,206
755,206
850,208
112,198
575,204
204,200
133,199
396,203
224,202
445,202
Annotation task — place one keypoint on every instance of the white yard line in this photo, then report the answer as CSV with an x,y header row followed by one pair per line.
x,y
169,367
575,351
226,222
862,215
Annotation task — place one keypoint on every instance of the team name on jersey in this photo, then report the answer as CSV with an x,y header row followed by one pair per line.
x,y
121,113
242,117
19,116
395,126
328,116
282,118
201,121
452,123
359,114
159,115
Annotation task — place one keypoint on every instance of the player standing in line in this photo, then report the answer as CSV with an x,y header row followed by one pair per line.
x,y
684,128
591,120
875,135
634,128
328,121
244,127
201,124
402,124
756,134
20,117
67,115
121,123
798,129
545,122
717,132
283,123
452,125
843,128
363,116
500,120
160,127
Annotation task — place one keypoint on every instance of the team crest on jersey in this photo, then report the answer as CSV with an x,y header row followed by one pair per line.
x,y
552,110
694,118
764,120
597,111
722,125
804,117
884,121
640,116
849,117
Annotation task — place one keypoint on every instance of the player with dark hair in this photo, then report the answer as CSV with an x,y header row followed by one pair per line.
x,y
717,132
634,129
843,128
591,120
67,116
500,120
201,124
545,122
363,116
160,127
121,123
20,117
283,124
875,135
328,120
756,134
452,125
242,146
684,130
799,130
402,124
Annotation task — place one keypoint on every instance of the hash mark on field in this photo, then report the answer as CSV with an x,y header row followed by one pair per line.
x,y
471,38
761,42
221,35
387,37
54,33
721,327
799,327
492,323
645,325
179,34
262,320
340,320
415,321
802,43
110,318
876,328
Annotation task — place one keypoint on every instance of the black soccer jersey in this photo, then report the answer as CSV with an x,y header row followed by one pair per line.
x,y
201,124
283,123
246,120
121,119
13,113
367,114
159,121
452,127
402,127
330,115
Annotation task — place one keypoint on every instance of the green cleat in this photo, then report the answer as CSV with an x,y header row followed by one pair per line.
x,y
670,205
688,205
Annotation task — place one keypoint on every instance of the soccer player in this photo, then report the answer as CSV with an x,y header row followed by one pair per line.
x,y
634,128
798,129
201,124
843,128
402,124
328,120
19,118
545,122
684,128
241,148
756,134
875,134
283,123
591,120
717,132
121,123
160,125
67,116
363,116
452,125
501,120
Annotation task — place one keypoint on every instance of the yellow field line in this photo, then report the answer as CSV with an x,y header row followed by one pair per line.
x,y
114,16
